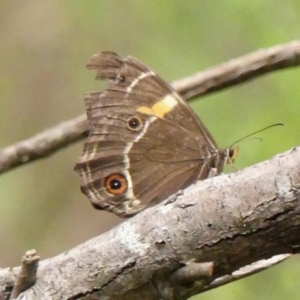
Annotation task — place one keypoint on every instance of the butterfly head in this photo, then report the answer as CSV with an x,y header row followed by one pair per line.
x,y
221,158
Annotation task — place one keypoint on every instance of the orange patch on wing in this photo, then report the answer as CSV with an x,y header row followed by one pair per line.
x,y
160,108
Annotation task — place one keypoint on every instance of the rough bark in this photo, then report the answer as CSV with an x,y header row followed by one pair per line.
x,y
230,221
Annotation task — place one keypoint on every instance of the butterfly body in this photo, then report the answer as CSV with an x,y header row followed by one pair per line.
x,y
145,142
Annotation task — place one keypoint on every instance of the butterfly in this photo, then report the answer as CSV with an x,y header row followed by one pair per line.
x,y
145,142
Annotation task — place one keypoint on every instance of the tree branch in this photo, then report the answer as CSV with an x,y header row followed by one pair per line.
x,y
240,70
230,221
27,274
43,144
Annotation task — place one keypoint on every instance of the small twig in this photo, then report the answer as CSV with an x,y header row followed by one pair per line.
x,y
27,275
240,70
43,144
193,272
249,270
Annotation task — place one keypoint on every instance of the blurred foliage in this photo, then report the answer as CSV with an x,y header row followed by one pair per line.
x,y
44,47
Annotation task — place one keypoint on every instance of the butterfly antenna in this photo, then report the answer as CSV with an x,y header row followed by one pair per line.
x,y
256,137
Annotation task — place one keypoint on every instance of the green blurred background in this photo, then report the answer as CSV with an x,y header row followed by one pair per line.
x,y
44,46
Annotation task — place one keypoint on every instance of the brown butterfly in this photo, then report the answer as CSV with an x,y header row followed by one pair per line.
x,y
145,142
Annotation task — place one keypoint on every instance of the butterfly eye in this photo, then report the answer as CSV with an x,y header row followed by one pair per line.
x,y
232,154
134,123
116,184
